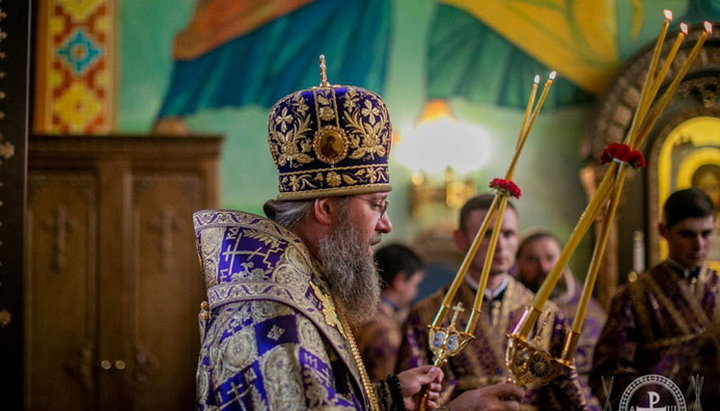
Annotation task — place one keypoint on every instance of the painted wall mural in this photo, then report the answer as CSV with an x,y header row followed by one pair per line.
x,y
251,52
237,53
216,66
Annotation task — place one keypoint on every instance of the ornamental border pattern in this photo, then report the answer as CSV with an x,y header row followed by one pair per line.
x,y
76,76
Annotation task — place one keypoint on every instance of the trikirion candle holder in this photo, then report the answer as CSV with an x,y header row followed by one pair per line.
x,y
447,341
526,361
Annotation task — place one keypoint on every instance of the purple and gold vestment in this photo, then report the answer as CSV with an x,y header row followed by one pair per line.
x,y
274,339
662,324
482,362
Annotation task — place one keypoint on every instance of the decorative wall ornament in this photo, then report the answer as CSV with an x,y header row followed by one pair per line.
x,y
5,317
76,76
15,42
7,149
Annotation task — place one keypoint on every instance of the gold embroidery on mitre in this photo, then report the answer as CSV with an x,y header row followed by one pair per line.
x,y
330,144
287,133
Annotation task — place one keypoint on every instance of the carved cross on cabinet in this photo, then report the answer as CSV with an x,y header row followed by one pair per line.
x,y
60,225
166,224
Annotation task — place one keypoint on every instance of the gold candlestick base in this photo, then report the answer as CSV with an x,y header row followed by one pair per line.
x,y
446,342
529,364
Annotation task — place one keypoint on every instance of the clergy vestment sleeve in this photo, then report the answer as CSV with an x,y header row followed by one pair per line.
x,y
660,324
270,357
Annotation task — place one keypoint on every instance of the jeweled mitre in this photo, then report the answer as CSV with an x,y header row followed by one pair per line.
x,y
330,141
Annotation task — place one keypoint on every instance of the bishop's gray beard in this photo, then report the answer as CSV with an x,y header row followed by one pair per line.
x,y
350,271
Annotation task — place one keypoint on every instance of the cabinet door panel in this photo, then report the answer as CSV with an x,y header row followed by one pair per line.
x,y
60,289
166,290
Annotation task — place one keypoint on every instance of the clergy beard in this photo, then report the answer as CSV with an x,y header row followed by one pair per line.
x,y
350,271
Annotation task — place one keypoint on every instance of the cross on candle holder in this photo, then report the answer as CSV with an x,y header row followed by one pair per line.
x,y
447,341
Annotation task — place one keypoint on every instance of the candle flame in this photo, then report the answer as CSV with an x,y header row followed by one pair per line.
x,y
684,28
536,80
668,14
552,75
708,27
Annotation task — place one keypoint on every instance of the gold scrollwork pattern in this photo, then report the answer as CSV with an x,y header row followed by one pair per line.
x,y
330,139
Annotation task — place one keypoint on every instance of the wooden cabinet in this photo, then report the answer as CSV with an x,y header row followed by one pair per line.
x,y
113,285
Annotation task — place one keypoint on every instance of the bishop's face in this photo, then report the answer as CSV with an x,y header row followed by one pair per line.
x,y
507,243
346,254
368,213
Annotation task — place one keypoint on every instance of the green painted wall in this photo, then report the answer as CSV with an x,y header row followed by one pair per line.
x,y
548,172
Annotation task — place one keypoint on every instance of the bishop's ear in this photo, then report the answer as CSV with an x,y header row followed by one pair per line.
x,y
324,210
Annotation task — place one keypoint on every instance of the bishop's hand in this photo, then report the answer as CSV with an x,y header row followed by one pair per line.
x,y
413,381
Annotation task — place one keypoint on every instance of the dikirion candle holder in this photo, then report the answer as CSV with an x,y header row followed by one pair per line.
x,y
447,341
527,362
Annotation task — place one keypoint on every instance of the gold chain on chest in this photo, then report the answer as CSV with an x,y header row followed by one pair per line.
x,y
367,385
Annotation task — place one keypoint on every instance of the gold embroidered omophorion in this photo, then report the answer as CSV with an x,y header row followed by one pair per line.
x,y
273,335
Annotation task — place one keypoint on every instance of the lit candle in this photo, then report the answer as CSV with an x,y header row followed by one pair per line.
x,y
528,108
638,252
679,75
658,47
669,58
659,77
528,121
541,102
526,130
599,251
645,97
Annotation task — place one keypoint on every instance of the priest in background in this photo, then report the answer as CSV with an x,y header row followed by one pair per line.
x,y
536,256
482,362
667,322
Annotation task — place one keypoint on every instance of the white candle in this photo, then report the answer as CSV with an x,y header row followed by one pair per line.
x,y
639,252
